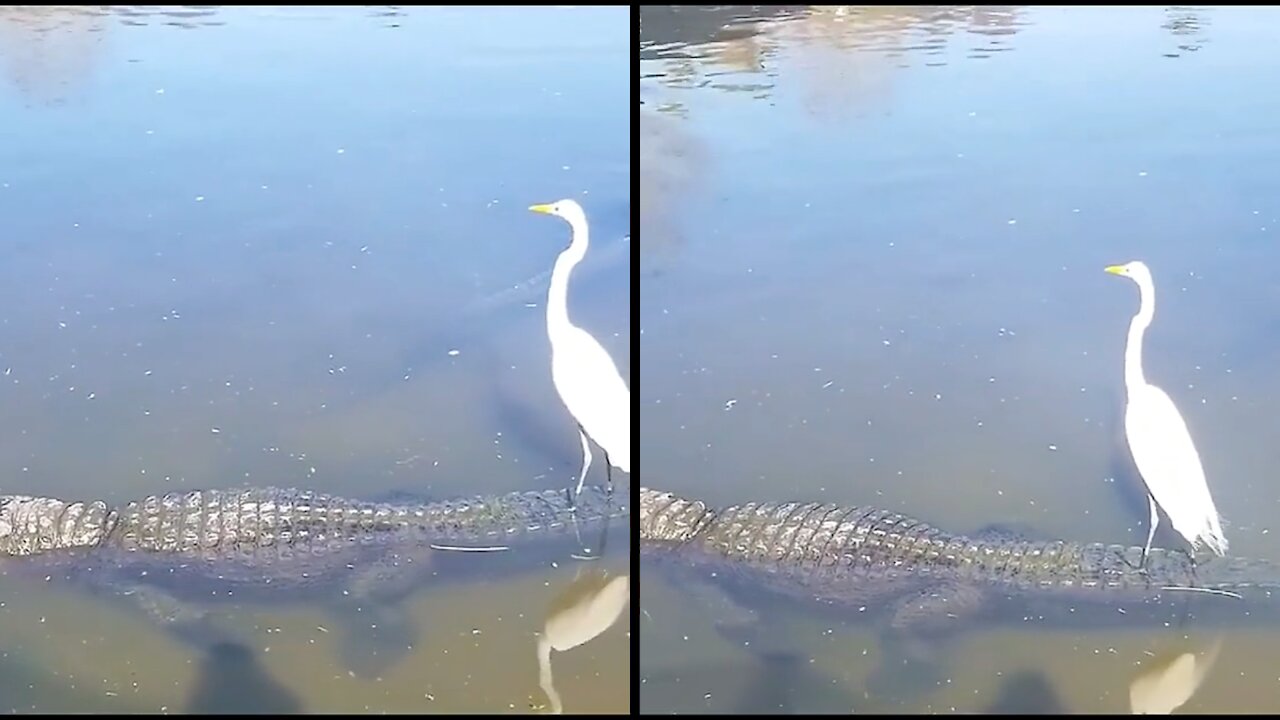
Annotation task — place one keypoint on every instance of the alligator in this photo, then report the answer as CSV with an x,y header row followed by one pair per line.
x,y
921,585
169,554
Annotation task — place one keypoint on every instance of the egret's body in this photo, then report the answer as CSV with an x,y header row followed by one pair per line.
x,y
1159,441
584,375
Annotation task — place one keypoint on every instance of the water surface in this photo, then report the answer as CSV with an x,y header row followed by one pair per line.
x,y
876,277
290,246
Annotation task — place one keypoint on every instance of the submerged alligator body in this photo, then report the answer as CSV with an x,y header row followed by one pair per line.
x,y
168,553
921,579
260,537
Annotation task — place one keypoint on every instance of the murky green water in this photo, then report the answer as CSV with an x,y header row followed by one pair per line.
x,y
874,276
289,246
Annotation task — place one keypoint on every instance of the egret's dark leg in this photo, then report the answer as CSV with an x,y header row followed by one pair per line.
x,y
587,553
1185,613
1150,533
586,464
577,535
608,471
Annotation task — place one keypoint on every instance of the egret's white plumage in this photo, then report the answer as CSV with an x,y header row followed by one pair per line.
x,y
1159,440
583,373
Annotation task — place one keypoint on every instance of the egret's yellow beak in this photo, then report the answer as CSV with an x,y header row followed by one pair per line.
x,y
544,208
1114,269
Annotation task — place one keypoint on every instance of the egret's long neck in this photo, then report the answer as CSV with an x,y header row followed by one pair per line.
x,y
1133,376
558,295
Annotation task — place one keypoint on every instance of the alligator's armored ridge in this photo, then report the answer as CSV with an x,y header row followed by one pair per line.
x,y
170,555
927,579
243,524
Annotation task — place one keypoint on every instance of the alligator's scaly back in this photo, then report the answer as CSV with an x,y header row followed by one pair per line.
x,y
215,523
918,585
31,525
844,553
212,520
176,555
667,518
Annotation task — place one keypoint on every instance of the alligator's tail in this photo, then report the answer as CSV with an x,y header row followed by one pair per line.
x,y
494,517
665,517
1238,574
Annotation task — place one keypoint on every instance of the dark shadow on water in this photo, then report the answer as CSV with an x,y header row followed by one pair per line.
x,y
545,443
783,678
776,683
1026,693
546,437
231,681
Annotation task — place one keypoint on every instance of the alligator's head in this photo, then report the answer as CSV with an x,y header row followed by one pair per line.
x,y
32,525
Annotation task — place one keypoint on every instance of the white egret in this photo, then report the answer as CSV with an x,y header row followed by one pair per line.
x,y
1159,440
585,376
